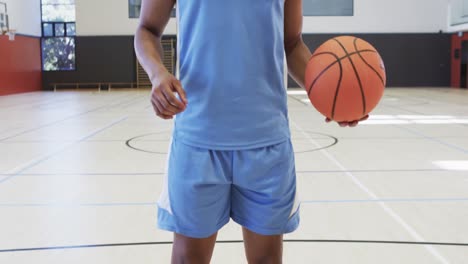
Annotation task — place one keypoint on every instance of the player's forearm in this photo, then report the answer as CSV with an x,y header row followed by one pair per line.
x,y
149,52
297,57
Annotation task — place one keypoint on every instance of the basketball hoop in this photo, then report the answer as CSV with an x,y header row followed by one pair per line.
x,y
10,33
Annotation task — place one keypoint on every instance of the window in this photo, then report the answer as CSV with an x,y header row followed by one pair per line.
x,y
328,7
58,35
134,7
458,12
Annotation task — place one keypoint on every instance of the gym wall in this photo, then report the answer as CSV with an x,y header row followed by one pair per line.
x,y
108,18
20,60
407,34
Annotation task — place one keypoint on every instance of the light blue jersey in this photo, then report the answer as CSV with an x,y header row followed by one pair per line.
x,y
231,63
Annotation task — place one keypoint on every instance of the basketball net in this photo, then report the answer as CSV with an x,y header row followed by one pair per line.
x,y
10,33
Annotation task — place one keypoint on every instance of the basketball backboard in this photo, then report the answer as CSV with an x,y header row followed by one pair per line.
x,y
4,23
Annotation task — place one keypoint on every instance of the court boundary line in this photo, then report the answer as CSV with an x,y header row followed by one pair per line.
x,y
235,242
160,173
337,201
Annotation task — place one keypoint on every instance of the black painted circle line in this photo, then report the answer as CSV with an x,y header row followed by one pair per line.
x,y
335,141
128,143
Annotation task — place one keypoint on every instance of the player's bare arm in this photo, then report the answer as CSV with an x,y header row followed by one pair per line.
x,y
154,17
297,52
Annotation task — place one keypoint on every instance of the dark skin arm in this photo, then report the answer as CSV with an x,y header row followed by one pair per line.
x,y
153,19
297,53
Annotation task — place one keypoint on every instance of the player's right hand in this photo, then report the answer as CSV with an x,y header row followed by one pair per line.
x,y
165,103
350,124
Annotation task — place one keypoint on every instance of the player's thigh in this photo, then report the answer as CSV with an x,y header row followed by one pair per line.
x,y
192,250
261,248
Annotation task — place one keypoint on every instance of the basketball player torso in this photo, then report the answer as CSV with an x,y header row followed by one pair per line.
x,y
231,64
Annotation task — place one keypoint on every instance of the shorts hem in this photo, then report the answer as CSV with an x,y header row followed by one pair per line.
x,y
291,226
185,231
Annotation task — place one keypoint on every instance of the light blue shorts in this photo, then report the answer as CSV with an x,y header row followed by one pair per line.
x,y
204,188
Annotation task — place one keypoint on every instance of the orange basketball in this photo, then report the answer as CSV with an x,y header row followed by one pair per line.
x,y
345,78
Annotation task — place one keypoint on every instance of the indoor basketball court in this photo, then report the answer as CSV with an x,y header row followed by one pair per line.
x,y
84,157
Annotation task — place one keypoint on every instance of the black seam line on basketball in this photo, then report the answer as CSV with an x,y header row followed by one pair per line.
x,y
333,63
323,71
370,66
344,57
235,242
338,85
338,60
357,76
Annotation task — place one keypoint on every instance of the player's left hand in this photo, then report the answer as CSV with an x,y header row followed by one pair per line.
x,y
350,124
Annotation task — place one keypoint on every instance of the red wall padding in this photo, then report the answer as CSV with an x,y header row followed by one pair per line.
x,y
20,65
456,63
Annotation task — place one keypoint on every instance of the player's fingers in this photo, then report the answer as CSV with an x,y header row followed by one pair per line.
x,y
156,109
165,117
328,120
353,124
161,111
166,107
343,124
155,106
178,87
364,118
172,99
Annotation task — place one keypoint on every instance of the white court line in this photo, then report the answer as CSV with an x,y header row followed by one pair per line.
x,y
296,92
452,165
67,118
19,169
387,209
